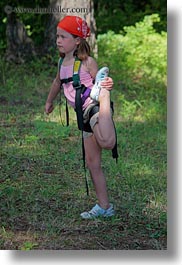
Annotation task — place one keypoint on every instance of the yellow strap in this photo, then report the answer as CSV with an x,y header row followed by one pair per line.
x,y
77,65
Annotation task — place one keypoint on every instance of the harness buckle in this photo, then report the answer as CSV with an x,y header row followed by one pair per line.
x,y
77,86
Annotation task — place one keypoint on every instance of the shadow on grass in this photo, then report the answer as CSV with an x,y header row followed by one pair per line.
x,y
43,191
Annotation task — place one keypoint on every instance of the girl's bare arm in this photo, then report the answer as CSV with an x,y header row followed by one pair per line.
x,y
55,88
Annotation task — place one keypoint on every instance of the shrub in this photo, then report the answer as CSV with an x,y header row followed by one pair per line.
x,y
138,58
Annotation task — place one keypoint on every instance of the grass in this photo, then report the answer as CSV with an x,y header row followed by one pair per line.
x,y
42,188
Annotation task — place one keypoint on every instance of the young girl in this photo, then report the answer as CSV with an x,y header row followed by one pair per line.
x,y
71,42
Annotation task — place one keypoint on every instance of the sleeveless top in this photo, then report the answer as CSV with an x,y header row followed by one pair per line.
x,y
69,91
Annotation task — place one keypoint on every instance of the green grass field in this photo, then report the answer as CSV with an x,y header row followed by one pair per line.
x,y
42,186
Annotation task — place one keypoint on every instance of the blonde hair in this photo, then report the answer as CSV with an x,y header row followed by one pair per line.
x,y
82,51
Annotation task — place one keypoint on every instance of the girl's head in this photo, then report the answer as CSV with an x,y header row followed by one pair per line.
x,y
71,33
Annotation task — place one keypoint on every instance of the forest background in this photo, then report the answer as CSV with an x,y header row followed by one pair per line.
x,y
42,185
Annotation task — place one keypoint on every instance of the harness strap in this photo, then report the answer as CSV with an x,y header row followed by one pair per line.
x,y
67,114
80,89
84,166
82,93
85,94
78,108
115,149
66,80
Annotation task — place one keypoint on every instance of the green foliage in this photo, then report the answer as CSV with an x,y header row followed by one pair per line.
x,y
34,23
114,15
109,15
42,187
28,246
138,59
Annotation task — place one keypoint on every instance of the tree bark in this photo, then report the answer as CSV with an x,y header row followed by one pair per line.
x,y
19,45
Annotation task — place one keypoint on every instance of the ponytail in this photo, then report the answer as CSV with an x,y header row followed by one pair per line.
x,y
83,50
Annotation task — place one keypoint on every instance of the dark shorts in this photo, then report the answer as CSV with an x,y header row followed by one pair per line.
x,y
92,121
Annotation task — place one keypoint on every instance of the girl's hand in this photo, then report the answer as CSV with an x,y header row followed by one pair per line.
x,y
49,108
107,83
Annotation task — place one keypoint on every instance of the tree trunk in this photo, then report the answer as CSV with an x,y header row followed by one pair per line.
x,y
81,8
19,45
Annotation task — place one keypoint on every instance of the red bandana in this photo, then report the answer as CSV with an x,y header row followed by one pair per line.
x,y
75,25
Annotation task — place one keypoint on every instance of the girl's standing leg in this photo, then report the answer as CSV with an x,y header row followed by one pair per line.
x,y
93,159
103,137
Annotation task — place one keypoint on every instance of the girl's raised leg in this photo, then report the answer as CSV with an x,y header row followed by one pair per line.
x,y
104,129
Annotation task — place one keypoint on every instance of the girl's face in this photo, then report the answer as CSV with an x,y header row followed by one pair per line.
x,y
66,43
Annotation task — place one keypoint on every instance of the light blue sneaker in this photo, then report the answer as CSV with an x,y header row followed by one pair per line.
x,y
97,211
95,91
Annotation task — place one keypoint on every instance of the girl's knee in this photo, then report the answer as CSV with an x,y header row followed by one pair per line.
x,y
93,162
107,143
